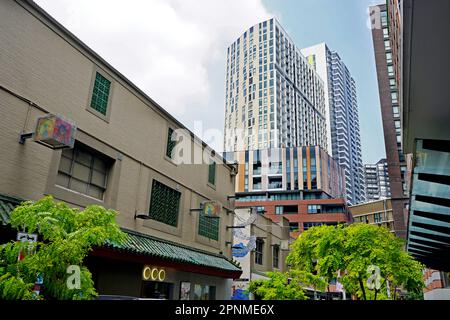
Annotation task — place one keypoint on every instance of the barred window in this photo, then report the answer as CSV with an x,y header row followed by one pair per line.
x,y
83,170
100,94
208,227
164,204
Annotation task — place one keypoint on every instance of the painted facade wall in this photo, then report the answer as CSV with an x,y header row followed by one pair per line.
x,y
44,69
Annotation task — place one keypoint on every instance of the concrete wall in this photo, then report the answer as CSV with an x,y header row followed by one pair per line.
x,y
43,64
438,294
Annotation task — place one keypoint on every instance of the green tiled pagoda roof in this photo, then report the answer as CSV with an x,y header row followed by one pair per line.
x,y
146,245
7,205
141,244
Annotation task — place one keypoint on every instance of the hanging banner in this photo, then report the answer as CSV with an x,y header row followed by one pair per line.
x,y
250,220
241,250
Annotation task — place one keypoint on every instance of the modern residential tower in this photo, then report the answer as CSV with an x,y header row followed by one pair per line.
x,y
274,98
376,179
391,117
341,113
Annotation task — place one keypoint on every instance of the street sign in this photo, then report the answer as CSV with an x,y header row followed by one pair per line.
x,y
26,237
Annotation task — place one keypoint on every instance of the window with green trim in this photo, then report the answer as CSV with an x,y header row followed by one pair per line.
x,y
212,174
171,142
100,94
208,227
164,204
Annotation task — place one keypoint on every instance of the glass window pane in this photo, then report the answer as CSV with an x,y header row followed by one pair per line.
x,y
77,174
80,172
65,164
67,153
98,178
83,157
99,164
95,192
62,180
78,186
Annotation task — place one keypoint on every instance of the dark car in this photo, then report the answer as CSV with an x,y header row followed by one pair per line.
x,y
115,297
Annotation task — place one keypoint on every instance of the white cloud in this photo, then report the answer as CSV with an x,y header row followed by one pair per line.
x,y
174,50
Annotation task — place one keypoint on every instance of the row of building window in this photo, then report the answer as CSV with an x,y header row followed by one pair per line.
x,y
85,170
295,226
259,254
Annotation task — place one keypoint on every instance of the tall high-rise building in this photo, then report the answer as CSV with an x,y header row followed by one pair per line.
x,y
274,98
341,113
376,179
416,32
391,116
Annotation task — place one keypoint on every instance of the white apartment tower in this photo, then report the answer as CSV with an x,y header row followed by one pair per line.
x,y
274,98
341,112
377,183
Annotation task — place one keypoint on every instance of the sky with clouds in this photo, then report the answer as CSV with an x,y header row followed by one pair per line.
x,y
175,50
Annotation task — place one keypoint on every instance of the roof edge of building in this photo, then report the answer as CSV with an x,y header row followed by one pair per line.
x,y
43,14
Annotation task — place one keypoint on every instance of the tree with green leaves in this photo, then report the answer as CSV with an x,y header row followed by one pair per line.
x,y
286,285
352,251
66,235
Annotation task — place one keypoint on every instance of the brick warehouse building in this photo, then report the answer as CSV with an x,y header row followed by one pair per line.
x,y
303,184
121,159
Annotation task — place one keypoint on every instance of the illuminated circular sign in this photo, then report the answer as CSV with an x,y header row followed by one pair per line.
x,y
155,274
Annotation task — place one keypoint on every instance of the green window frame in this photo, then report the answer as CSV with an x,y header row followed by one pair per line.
x,y
100,94
170,143
164,204
208,227
212,173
